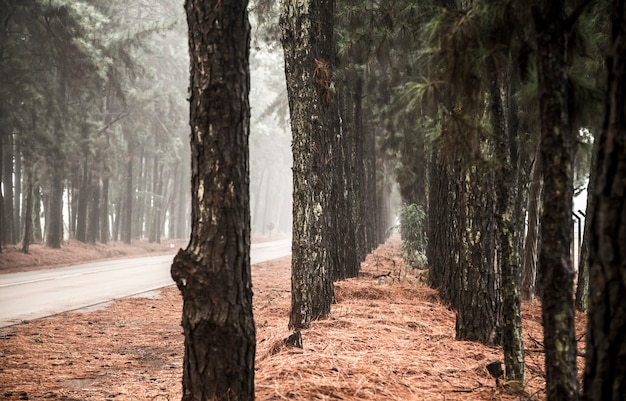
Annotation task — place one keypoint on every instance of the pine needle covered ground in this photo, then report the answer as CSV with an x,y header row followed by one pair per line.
x,y
388,338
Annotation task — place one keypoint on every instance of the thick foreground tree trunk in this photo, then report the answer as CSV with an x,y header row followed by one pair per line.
x,y
557,274
605,369
213,273
307,37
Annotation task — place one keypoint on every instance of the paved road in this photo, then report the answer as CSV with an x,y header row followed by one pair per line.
x,y
36,294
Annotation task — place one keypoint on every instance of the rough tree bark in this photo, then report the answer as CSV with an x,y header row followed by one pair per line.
x,y
557,274
605,369
213,273
308,44
479,300
370,199
442,247
531,245
357,156
347,188
506,183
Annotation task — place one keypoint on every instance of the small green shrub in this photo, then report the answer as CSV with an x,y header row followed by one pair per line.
x,y
413,235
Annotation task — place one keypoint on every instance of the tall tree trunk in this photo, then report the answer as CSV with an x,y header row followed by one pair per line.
x,y
152,201
478,311
557,273
104,210
141,224
37,229
107,109
371,200
17,193
127,202
442,248
213,273
8,185
348,134
93,221
158,204
54,215
172,204
182,228
119,214
506,183
307,37
256,209
82,205
2,220
531,243
72,207
605,368
359,209
582,287
349,116
339,207
104,194
28,209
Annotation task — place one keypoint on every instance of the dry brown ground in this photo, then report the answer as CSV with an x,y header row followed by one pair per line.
x,y
387,339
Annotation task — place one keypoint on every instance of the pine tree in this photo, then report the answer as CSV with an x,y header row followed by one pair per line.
x,y
213,273
307,38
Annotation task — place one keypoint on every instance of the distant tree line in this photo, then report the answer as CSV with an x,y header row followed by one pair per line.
x,y
93,116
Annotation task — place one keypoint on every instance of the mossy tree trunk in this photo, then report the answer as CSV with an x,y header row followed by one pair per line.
x,y
213,273
506,184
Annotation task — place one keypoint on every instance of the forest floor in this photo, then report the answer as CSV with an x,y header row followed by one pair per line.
x,y
387,338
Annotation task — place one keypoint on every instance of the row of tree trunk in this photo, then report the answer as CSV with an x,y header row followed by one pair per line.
x,y
96,211
335,196
476,225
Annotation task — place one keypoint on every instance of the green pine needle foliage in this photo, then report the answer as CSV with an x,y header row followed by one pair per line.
x,y
414,235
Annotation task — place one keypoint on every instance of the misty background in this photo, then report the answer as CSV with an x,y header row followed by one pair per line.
x,y
94,124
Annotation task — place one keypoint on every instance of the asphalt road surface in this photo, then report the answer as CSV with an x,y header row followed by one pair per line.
x,y
36,294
